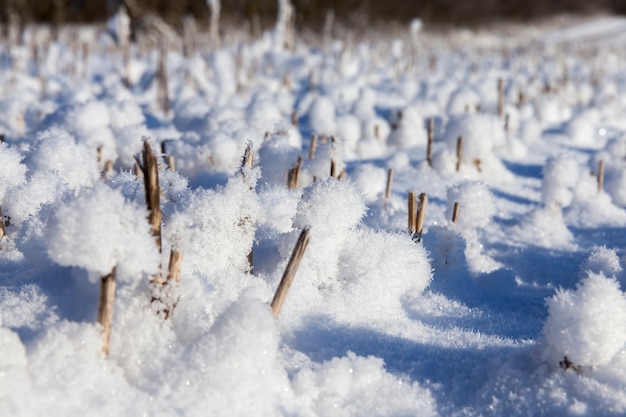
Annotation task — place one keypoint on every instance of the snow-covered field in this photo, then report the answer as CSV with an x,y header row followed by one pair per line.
x,y
515,309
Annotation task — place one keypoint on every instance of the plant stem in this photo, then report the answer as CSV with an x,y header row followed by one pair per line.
x,y
105,308
293,176
421,214
412,211
153,196
431,136
290,272
600,175
163,89
455,212
313,146
389,182
294,119
500,98
3,231
459,152
176,261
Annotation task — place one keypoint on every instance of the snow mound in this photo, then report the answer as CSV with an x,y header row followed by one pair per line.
x,y
560,175
217,228
586,325
483,136
463,100
409,129
581,129
322,116
370,179
602,260
543,226
89,122
476,204
330,207
98,230
58,153
339,387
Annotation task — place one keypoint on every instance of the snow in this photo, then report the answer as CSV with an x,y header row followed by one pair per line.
x,y
584,325
99,231
517,308
560,176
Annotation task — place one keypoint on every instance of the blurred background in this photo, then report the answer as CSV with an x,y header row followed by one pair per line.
x,y
311,14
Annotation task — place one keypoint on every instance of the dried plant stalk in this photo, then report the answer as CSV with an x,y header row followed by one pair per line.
x,y
153,195
600,175
165,300
455,212
294,118
176,261
290,272
151,183
286,82
138,171
459,153
3,231
500,97
333,168
377,131
126,61
171,163
421,214
43,86
291,179
328,27
189,36
163,98
85,60
298,170
247,161
293,176
389,182
313,146
108,167
214,29
431,136
21,124
248,158
342,174
105,308
412,209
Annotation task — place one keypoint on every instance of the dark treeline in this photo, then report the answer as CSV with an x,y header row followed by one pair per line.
x,y
312,13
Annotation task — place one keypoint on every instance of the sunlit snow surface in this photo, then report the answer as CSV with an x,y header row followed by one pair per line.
x,y
516,309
